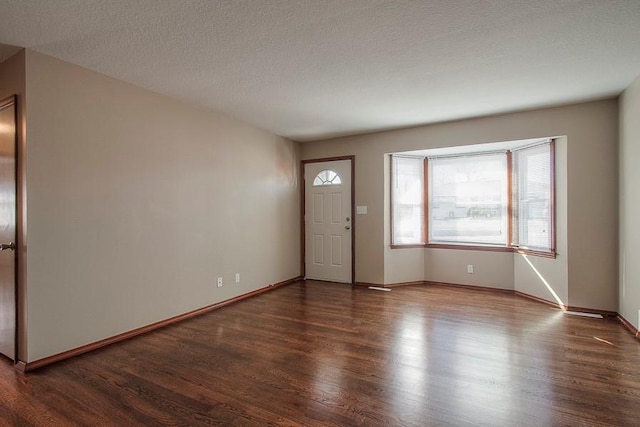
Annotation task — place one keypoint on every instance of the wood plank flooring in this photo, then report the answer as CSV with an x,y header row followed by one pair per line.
x,y
327,354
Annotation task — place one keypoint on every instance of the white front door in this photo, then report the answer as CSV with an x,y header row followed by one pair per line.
x,y
328,221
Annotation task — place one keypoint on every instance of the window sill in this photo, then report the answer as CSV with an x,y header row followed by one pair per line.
x,y
521,251
467,247
541,254
408,246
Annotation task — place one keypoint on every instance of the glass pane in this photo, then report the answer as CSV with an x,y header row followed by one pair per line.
x,y
327,177
407,180
468,200
532,197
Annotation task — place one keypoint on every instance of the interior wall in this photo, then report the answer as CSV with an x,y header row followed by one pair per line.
x,y
630,204
592,214
591,131
137,203
12,82
490,269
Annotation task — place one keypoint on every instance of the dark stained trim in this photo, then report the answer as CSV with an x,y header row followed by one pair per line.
x,y
469,247
20,230
391,200
412,246
353,211
603,313
389,285
473,287
541,254
521,251
629,326
30,366
552,149
509,198
425,207
425,197
541,300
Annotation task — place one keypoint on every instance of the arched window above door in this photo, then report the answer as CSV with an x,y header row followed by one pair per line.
x,y
327,177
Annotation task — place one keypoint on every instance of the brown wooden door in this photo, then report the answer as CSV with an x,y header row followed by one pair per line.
x,y
7,228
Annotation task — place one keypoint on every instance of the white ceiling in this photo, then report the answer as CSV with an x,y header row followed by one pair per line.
x,y
311,69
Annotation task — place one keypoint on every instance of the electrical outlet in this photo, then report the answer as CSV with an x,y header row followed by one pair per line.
x,y
219,282
470,269
237,277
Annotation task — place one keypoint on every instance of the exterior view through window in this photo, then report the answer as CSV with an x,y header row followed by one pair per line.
x,y
485,199
468,199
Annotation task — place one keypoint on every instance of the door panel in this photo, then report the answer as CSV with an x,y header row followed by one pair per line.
x,y
318,210
318,249
328,231
336,251
336,208
7,228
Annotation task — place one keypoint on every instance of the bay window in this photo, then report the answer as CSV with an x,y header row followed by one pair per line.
x,y
484,200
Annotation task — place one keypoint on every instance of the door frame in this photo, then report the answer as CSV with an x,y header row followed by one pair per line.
x,y
303,187
19,271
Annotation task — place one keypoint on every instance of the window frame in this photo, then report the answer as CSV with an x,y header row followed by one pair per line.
x,y
510,246
391,210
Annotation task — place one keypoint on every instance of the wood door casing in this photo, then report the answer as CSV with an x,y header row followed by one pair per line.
x,y
8,228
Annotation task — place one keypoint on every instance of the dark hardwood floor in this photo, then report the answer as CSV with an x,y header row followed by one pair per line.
x,y
326,354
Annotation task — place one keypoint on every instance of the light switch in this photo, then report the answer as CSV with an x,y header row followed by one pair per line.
x,y
361,210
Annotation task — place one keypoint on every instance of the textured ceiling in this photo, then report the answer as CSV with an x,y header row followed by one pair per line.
x,y
310,69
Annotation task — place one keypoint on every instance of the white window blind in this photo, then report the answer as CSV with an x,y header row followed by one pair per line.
x,y
407,180
468,199
532,198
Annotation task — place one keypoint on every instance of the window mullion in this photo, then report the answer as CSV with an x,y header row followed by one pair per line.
x,y
509,198
427,214
552,166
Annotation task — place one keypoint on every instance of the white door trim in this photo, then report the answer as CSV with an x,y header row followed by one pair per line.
x,y
351,160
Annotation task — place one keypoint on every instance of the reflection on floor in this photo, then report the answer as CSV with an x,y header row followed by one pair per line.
x,y
328,354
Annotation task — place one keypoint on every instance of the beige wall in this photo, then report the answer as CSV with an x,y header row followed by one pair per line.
x,y
12,82
490,269
138,202
630,204
592,215
591,212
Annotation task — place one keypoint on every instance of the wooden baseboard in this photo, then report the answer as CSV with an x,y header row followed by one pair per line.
x,y
629,326
472,287
389,285
603,313
366,284
21,366
540,300
30,366
396,285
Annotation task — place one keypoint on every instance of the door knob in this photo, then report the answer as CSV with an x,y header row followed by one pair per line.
x,y
10,246
346,227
